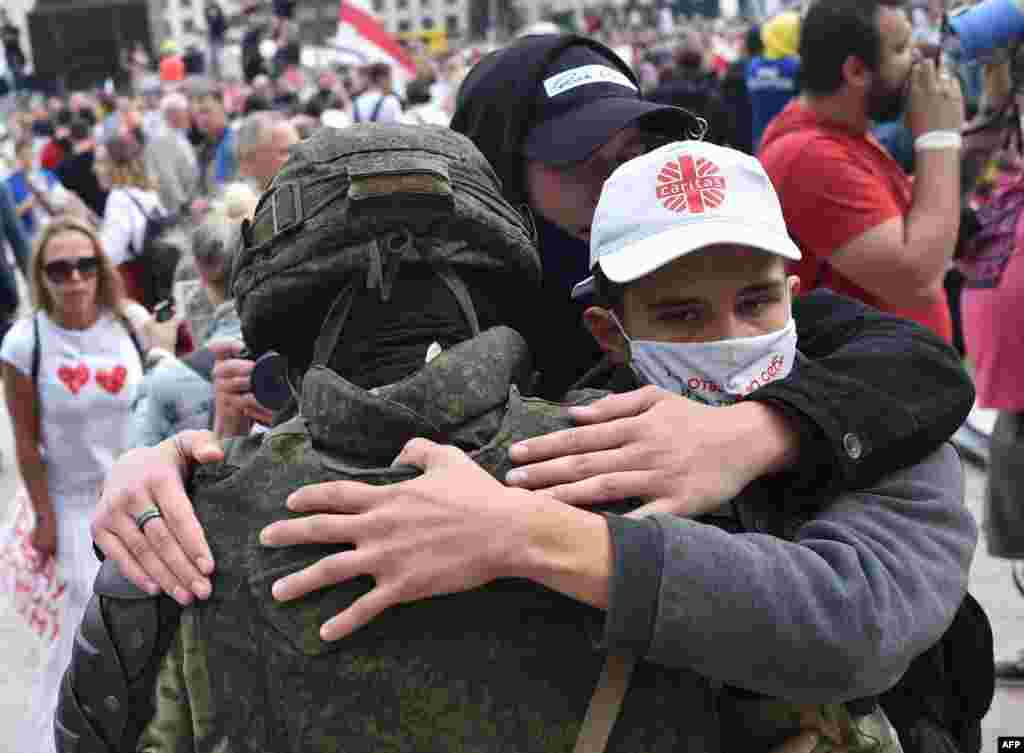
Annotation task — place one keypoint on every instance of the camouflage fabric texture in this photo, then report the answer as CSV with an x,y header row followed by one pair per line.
x,y
508,667
369,198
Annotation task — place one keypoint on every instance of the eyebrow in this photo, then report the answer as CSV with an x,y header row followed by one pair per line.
x,y
764,287
758,287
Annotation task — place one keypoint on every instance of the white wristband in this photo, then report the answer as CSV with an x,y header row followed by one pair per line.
x,y
938,140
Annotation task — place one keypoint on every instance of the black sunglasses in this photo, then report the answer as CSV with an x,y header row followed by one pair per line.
x,y
60,271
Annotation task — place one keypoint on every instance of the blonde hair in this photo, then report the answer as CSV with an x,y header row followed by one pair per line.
x,y
130,174
109,291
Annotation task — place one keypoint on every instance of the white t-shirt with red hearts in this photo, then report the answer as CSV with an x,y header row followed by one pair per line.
x,y
88,380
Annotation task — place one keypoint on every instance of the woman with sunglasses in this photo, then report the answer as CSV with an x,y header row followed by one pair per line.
x,y
70,415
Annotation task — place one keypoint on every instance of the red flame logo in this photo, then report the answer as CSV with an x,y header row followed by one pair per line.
x,y
688,185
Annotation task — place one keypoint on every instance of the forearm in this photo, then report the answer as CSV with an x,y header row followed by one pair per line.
x,y
766,435
838,613
931,227
871,393
565,548
33,474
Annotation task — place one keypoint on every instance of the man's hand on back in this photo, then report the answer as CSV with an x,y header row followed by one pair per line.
x,y
675,454
170,554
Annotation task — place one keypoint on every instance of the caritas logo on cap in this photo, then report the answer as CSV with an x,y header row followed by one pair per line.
x,y
691,185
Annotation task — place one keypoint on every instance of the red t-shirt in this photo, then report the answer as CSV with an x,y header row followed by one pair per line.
x,y
835,185
172,69
51,156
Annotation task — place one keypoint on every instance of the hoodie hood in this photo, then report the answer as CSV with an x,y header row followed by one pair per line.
x,y
495,104
781,36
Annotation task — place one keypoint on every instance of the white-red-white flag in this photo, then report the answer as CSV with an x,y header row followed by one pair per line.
x,y
362,39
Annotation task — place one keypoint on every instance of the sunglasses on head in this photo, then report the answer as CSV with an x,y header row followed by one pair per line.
x,y
60,271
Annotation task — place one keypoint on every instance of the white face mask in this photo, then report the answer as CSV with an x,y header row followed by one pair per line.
x,y
715,373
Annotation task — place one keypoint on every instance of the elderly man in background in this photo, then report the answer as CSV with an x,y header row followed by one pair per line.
x,y
262,144
170,158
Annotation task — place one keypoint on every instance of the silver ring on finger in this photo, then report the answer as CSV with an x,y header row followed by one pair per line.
x,y
145,516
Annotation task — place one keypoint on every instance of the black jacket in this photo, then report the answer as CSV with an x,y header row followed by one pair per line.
x,y
874,393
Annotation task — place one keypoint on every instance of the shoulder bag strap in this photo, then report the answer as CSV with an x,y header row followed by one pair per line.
x,y
377,107
136,253
137,203
605,704
126,323
36,358
35,348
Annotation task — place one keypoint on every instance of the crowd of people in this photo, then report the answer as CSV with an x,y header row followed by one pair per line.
x,y
746,308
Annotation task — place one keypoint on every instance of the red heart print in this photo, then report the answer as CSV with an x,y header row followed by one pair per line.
x,y
74,378
112,381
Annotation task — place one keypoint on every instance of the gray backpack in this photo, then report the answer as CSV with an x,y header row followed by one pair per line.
x,y
360,202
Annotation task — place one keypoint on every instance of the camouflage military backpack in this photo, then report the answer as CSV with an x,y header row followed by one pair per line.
x,y
359,202
347,210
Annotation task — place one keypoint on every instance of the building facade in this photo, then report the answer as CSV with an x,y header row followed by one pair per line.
x,y
403,16
17,11
318,19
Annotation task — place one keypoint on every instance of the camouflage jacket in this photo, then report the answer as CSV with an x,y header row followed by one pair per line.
x,y
507,667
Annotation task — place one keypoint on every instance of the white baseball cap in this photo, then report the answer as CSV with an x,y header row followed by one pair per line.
x,y
679,199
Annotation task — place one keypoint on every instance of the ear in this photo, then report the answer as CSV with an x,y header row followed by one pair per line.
x,y
794,286
856,73
602,326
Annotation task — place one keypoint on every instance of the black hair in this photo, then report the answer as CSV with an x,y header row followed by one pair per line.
x,y
379,73
87,114
505,80
81,129
417,92
834,30
313,108
608,294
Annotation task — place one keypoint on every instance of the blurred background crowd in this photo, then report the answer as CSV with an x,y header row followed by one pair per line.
x,y
172,147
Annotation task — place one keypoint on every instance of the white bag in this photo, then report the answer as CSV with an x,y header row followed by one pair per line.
x,y
35,589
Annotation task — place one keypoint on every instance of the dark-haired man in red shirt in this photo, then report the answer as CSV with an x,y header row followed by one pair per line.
x,y
865,228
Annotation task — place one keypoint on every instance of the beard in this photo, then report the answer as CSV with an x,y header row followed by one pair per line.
x,y
886,103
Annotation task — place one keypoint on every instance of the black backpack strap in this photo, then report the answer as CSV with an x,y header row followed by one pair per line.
x,y
137,203
36,347
461,293
134,336
136,253
333,324
376,109
36,358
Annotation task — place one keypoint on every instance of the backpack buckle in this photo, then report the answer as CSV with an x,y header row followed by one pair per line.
x,y
286,211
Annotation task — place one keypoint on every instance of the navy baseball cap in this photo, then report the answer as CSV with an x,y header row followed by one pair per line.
x,y
584,99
